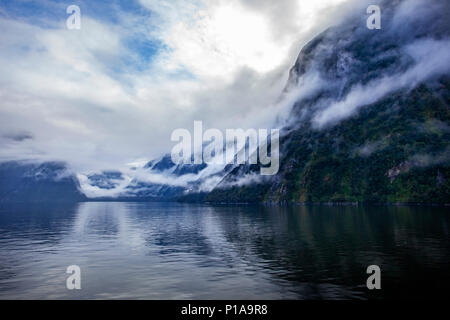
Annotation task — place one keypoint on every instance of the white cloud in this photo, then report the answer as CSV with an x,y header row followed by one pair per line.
x,y
431,58
226,63
216,38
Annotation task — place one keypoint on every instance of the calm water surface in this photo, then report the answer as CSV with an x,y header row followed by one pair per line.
x,y
178,251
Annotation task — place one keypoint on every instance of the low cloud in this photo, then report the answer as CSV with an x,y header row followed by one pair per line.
x,y
429,160
112,93
369,148
419,161
430,57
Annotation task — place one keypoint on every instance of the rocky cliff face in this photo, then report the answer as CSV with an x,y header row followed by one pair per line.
x,y
376,125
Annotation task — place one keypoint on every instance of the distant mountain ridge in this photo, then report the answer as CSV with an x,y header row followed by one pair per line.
x,y
30,182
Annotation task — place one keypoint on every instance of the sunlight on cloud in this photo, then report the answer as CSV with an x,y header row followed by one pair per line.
x,y
224,39
219,37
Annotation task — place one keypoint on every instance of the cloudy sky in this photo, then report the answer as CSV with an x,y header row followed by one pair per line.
x,y
110,94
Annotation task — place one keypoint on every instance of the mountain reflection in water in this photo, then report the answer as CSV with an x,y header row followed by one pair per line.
x,y
181,251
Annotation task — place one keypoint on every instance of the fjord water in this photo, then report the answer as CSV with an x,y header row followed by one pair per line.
x,y
180,251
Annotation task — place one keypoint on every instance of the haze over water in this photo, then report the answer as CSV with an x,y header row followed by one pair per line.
x,y
180,251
